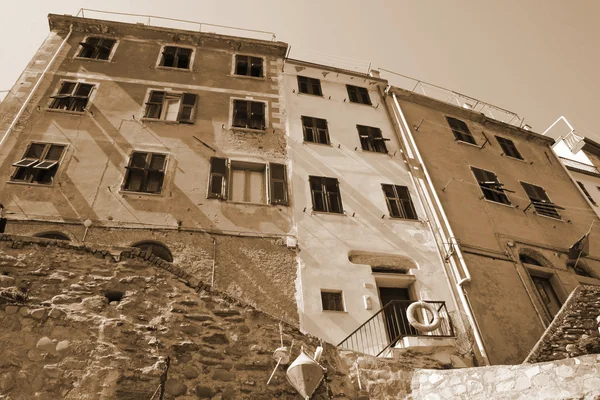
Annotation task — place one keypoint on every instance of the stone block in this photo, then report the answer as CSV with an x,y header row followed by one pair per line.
x,y
38,313
222,375
175,388
11,310
45,344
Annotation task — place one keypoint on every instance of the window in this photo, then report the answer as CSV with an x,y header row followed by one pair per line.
x,y
358,94
587,194
96,48
332,301
176,57
315,130
157,249
509,148
325,194
524,258
39,164
249,66
399,202
461,130
489,185
179,107
249,114
547,294
540,201
145,172
309,86
72,96
371,139
246,181
53,235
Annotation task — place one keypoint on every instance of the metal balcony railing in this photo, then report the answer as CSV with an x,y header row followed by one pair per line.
x,y
389,325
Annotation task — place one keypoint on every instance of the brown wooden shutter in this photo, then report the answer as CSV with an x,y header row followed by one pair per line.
x,y
278,192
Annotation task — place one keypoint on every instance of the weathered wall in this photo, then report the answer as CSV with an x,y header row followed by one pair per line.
x,y
574,378
575,331
67,341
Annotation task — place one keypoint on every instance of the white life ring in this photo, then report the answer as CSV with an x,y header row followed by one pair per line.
x,y
411,312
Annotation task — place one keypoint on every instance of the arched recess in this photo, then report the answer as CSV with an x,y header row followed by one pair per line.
x,y
157,249
383,262
53,235
532,257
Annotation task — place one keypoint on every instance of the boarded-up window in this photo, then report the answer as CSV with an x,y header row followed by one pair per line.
x,y
326,195
145,172
460,130
399,202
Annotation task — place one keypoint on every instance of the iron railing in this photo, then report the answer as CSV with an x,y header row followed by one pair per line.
x,y
390,324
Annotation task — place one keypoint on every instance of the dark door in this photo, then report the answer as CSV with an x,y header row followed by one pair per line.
x,y
396,323
547,294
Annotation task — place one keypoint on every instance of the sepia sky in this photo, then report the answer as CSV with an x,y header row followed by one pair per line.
x,y
537,58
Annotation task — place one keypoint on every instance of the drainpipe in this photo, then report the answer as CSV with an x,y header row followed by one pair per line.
x,y
22,109
212,279
449,238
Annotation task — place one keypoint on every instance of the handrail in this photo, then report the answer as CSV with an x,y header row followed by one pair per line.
x,y
390,324
82,12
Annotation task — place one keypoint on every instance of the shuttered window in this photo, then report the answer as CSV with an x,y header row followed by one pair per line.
x,y
460,130
168,106
509,148
371,139
540,200
72,96
278,184
326,195
39,163
492,189
217,181
399,202
315,130
145,172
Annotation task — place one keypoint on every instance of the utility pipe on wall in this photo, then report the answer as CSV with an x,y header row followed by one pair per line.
x,y
20,112
449,238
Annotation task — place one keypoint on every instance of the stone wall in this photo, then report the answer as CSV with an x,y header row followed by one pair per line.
x,y
574,378
575,329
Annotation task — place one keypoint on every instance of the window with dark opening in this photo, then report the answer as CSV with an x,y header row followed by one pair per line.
x,y
249,66
39,163
460,130
371,139
156,249
540,200
492,189
167,106
145,172
587,194
325,194
332,301
315,130
53,235
217,181
509,148
278,184
399,202
524,258
249,114
176,57
358,94
309,86
96,48
72,96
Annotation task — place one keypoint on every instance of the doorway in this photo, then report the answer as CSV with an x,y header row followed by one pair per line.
x,y
396,322
547,294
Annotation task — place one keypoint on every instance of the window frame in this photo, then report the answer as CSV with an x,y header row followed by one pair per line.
x,y
315,128
309,85
182,105
146,169
110,56
237,165
460,133
342,301
586,193
485,190
232,115
502,141
534,207
359,95
160,56
250,56
325,195
400,202
53,97
371,139
40,160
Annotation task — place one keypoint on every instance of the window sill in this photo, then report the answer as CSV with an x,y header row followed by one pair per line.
x,y
319,144
498,203
516,159
342,214
546,216
255,78
375,152
173,69
248,203
30,184
335,311
91,59
246,130
56,110
360,104
124,192
404,219
310,94
160,121
467,143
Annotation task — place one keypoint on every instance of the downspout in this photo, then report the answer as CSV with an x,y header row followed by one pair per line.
x,y
451,239
22,109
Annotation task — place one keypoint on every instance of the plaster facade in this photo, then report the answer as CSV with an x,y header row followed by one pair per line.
x,y
338,250
503,289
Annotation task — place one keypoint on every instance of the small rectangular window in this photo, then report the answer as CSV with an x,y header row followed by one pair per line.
x,y
72,96
145,172
587,194
96,48
247,182
509,148
399,202
249,66
249,114
176,57
167,106
371,139
39,163
315,130
332,301
309,86
326,195
278,184
358,94
492,189
217,181
540,200
460,130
